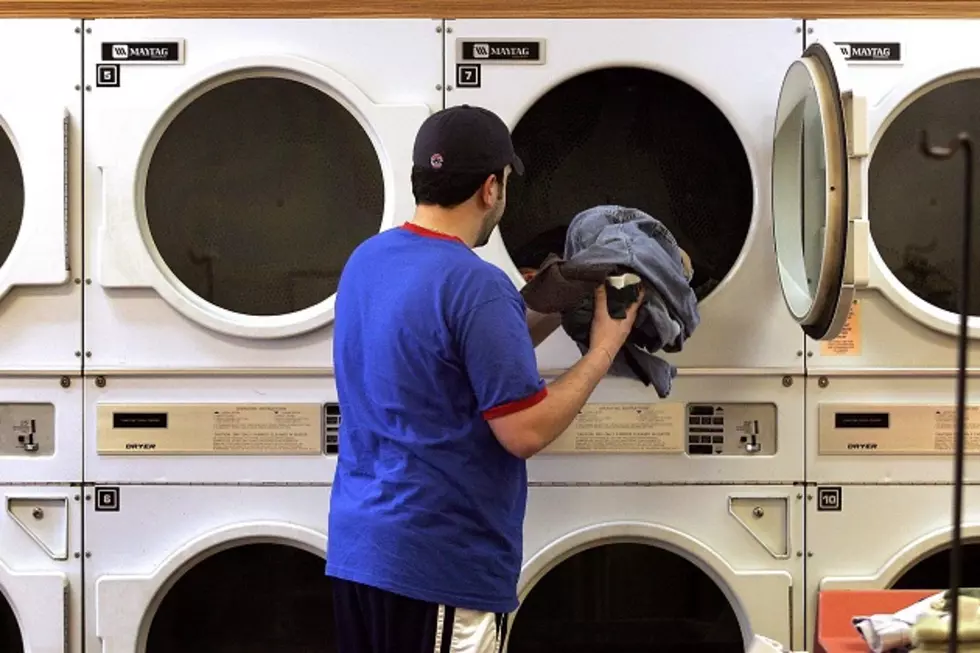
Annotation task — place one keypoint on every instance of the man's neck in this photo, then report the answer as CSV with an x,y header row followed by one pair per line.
x,y
451,222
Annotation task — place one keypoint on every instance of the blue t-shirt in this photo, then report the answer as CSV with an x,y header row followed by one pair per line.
x,y
430,341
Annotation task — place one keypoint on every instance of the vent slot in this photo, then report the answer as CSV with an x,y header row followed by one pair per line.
x,y
331,427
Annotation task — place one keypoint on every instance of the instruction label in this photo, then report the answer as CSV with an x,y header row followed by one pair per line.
x,y
212,429
624,428
848,342
890,429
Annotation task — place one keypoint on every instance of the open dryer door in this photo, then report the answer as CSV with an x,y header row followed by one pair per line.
x,y
819,150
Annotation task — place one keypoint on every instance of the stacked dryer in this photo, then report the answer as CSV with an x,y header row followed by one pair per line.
x,y
675,521
231,167
40,336
880,409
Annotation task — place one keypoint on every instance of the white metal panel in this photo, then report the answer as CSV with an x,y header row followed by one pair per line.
x,y
58,456
44,590
784,396
40,287
135,392
739,66
883,454
896,330
766,592
888,530
137,318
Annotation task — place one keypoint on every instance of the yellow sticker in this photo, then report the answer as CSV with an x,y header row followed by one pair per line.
x,y
848,342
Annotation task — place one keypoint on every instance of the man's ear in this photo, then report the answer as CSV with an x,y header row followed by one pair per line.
x,y
488,190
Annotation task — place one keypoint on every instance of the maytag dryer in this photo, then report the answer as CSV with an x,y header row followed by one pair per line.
x,y
881,395
676,118
40,198
40,569
231,168
224,569
886,537
665,568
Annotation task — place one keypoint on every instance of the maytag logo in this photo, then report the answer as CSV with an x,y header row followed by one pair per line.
x,y
871,52
143,52
503,52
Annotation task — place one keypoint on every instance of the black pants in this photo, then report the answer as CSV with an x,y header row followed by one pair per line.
x,y
370,620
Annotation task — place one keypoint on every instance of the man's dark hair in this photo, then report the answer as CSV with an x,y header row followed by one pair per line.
x,y
447,189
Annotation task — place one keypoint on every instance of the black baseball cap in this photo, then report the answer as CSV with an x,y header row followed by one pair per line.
x,y
465,139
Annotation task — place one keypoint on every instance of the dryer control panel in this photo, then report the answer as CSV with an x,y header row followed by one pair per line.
x,y
731,429
26,430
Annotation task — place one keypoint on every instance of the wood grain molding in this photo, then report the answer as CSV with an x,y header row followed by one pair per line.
x,y
489,8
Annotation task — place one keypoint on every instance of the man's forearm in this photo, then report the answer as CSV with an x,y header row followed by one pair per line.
x,y
541,325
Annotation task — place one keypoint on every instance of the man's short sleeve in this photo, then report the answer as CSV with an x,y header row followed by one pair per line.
x,y
497,351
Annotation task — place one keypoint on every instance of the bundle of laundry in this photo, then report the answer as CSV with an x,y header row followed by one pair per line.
x,y
896,632
608,241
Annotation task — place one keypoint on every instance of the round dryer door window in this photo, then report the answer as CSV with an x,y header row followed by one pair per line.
x,y
809,193
257,193
254,598
11,195
612,599
933,571
916,204
636,138
10,637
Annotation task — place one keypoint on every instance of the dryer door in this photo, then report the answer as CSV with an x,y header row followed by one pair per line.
x,y
33,195
32,611
819,149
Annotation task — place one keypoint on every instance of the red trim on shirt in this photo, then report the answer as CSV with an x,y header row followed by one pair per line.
x,y
515,406
429,233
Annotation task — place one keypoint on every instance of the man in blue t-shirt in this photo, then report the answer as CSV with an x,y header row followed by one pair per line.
x,y
442,404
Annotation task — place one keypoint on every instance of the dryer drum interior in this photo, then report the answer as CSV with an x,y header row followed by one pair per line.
x,y
932,571
257,193
253,598
622,598
915,206
11,196
10,637
637,138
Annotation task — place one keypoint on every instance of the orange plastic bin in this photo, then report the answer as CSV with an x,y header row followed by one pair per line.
x,y
835,608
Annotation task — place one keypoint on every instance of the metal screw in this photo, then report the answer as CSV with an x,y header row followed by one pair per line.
x,y
88,282
78,30
449,87
799,496
438,29
799,554
76,497
787,381
799,30
823,382
809,497
78,354
809,354
809,30
88,87
77,555
809,554
77,281
88,497
100,382
799,352
65,382
88,31
78,87
38,513
449,30
438,87
88,554
758,512
88,354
